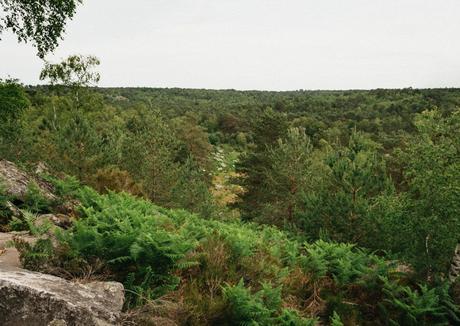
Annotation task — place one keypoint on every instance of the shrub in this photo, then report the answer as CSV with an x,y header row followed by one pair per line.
x,y
133,237
66,187
112,178
260,308
34,256
34,200
28,223
5,213
343,262
422,306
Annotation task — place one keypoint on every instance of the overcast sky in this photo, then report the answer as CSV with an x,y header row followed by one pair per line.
x,y
259,44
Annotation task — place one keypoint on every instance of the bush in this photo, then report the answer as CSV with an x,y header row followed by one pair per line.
x,y
112,178
422,306
66,187
5,213
35,256
134,238
344,263
34,200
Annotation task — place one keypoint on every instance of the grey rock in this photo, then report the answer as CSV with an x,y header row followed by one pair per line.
x,y
10,212
111,291
41,168
15,212
57,322
17,181
29,299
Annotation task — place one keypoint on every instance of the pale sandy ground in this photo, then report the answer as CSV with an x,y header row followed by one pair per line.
x,y
9,256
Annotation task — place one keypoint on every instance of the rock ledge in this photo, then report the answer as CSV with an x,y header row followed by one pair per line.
x,y
30,298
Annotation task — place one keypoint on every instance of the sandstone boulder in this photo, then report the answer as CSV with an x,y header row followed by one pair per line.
x,y
14,211
30,298
17,181
7,211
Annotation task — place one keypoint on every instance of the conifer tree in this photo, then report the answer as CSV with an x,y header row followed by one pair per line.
x,y
267,129
339,205
423,223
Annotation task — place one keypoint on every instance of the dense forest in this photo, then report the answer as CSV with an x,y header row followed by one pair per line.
x,y
226,207
287,208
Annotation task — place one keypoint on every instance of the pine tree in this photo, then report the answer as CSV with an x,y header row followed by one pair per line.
x,y
13,102
340,203
267,129
423,223
287,177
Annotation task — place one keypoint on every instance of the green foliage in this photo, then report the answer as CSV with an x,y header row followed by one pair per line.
x,y
16,224
422,223
5,213
340,202
192,191
34,256
149,140
247,309
75,71
155,251
287,177
34,200
422,306
132,237
42,23
195,141
28,223
268,129
78,147
13,102
344,263
358,167
335,320
67,187
260,308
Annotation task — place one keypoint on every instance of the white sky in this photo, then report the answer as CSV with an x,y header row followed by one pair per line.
x,y
259,44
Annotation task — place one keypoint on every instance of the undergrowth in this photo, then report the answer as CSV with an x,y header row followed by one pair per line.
x,y
233,273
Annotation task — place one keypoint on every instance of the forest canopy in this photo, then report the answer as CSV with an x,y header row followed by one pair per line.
x,y
280,208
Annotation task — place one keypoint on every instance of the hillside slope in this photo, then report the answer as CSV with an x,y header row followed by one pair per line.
x,y
188,270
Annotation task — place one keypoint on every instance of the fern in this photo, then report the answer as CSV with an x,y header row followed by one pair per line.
x,y
260,308
335,320
5,213
34,256
423,306
130,234
245,308
154,250
34,200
